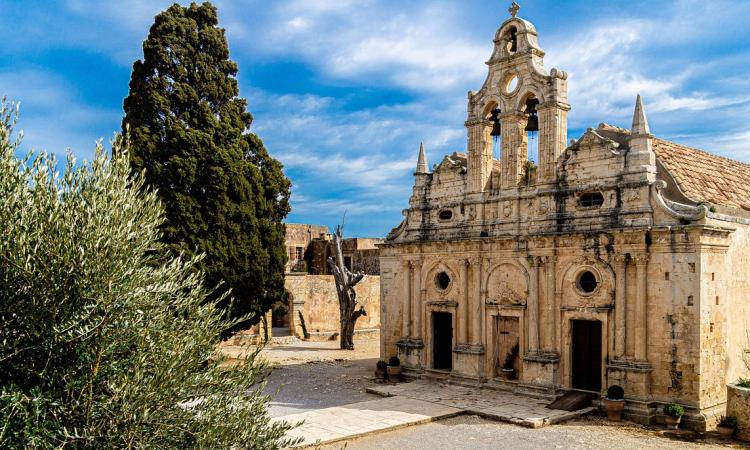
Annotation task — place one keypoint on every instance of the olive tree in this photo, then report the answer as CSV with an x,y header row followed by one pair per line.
x,y
106,339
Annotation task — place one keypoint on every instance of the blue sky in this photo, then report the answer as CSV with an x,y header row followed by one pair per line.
x,y
343,91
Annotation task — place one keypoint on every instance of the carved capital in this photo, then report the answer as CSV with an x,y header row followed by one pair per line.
x,y
620,259
474,260
534,261
641,259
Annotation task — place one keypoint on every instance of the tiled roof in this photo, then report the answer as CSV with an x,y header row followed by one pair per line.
x,y
704,177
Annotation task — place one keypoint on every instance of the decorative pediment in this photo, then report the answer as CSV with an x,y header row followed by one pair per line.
x,y
452,163
593,139
507,296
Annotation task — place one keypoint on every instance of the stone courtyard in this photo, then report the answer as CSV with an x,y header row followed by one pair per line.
x,y
334,392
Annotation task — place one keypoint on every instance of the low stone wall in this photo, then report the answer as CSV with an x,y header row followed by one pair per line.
x,y
738,405
315,297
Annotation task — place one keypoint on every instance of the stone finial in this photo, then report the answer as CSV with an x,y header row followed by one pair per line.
x,y
514,8
422,161
640,123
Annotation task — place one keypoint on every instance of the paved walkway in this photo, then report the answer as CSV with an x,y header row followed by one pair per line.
x,y
489,403
419,402
329,425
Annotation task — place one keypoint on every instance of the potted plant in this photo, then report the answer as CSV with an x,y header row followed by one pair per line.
x,y
614,403
674,413
727,426
380,368
394,368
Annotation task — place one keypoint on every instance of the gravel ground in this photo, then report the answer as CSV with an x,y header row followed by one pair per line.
x,y
476,433
315,375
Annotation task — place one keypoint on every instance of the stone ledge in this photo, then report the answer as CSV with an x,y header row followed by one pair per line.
x,y
629,366
542,357
469,349
410,342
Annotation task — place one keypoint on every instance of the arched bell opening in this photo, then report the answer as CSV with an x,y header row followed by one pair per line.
x,y
531,129
511,41
492,115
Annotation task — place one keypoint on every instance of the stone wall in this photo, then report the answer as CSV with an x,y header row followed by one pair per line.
x,y
315,297
738,405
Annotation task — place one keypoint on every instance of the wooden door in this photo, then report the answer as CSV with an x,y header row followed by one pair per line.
x,y
442,340
586,358
506,346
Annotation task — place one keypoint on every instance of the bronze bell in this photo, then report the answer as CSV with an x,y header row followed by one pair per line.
x,y
495,118
533,122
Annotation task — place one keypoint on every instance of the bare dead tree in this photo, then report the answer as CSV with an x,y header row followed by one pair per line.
x,y
345,282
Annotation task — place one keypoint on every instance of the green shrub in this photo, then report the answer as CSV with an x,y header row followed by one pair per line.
x,y
381,365
105,341
394,361
674,410
728,422
615,393
744,382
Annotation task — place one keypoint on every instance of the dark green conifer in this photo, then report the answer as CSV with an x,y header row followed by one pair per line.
x,y
224,195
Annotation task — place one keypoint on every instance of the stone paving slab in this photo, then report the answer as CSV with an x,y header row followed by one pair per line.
x,y
498,405
328,425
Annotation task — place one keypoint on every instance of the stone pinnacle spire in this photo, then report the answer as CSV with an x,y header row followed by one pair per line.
x,y
640,123
422,161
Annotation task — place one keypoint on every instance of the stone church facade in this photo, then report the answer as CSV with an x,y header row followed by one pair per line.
x,y
619,258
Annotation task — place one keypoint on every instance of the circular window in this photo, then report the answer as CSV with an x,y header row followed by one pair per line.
x,y
511,85
443,281
587,282
445,214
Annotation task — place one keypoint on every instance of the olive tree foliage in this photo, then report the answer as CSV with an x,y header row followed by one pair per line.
x,y
106,341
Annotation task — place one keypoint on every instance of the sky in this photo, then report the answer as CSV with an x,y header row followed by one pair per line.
x,y
343,91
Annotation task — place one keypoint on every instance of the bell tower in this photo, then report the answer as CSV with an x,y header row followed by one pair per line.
x,y
518,101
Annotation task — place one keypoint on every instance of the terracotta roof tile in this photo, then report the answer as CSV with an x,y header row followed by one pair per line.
x,y
704,177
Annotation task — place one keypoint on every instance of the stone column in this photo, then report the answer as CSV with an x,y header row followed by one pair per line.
x,y
515,150
406,326
550,315
476,306
532,307
416,308
463,306
620,309
641,308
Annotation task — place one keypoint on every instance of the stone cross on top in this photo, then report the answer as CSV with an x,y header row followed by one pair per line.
x,y
513,10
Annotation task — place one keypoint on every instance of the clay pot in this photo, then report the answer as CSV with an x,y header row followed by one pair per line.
x,y
380,373
672,422
614,409
725,432
394,373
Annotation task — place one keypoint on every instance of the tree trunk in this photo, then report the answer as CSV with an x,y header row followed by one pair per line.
x,y
345,282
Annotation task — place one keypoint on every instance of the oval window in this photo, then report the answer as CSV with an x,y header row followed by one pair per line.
x,y
512,85
587,282
443,281
591,199
445,214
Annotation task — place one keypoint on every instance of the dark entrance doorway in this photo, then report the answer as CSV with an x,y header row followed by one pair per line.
x,y
587,355
506,347
442,340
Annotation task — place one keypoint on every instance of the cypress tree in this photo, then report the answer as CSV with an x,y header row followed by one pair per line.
x,y
224,195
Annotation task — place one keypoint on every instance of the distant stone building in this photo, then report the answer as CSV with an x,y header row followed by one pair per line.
x,y
313,308
617,259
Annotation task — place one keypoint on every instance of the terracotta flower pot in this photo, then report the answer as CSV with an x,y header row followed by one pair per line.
x,y
614,409
672,422
380,373
394,373
725,432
